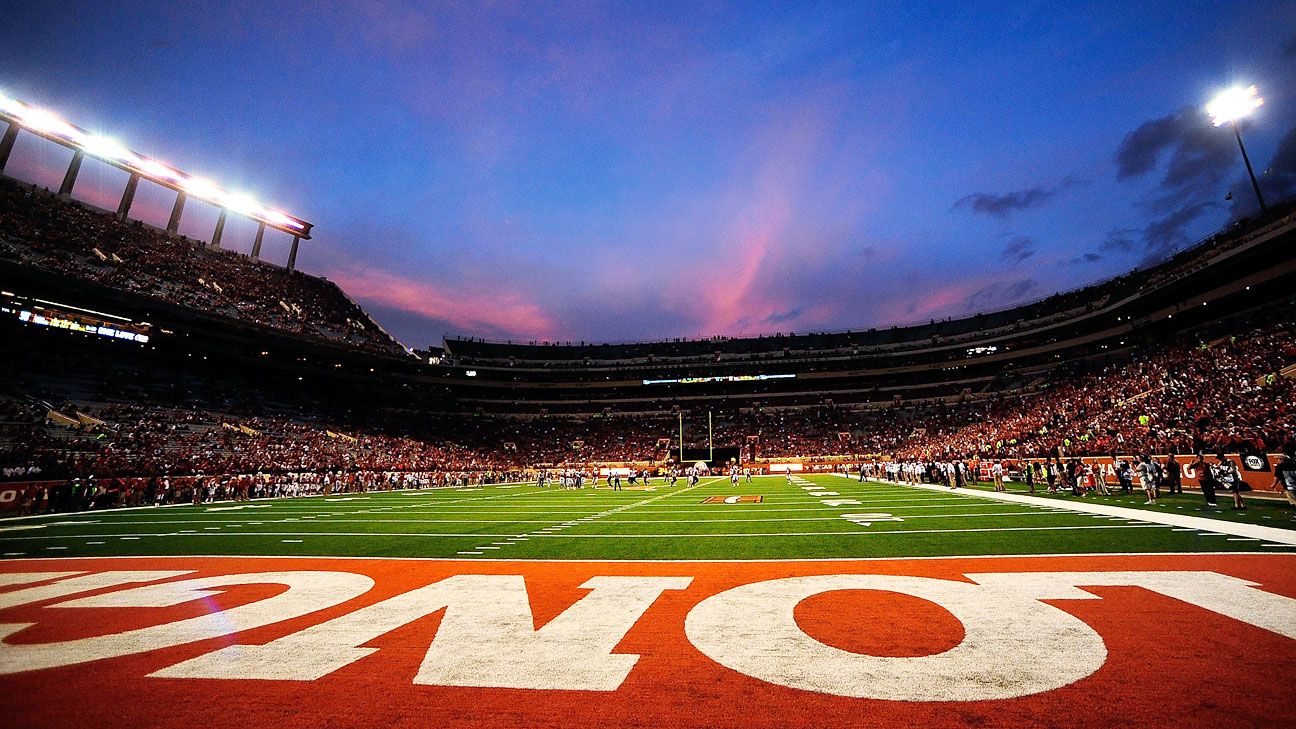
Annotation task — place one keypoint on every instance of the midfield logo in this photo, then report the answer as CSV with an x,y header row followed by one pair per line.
x,y
733,499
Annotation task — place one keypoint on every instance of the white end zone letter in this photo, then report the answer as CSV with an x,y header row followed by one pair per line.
x,y
1013,645
487,637
307,592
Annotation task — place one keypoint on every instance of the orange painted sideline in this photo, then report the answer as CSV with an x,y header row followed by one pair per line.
x,y
1168,662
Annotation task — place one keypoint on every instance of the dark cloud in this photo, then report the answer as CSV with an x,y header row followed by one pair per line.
x,y
1119,240
1140,149
1000,293
1002,205
1197,160
780,317
1166,234
1018,249
1279,178
1197,157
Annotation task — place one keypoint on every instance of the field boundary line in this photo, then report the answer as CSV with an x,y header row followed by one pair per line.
x,y
735,520
1254,531
558,535
526,560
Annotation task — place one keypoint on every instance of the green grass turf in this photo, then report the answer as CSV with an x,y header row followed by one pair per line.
x,y
523,522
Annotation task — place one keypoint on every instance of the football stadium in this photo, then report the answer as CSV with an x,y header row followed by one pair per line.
x,y
363,458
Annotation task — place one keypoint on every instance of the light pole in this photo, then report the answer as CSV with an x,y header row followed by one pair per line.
x,y
1228,107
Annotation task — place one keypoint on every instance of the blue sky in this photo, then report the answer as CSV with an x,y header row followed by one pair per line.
x,y
613,171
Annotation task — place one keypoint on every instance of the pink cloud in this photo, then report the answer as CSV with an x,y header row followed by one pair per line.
x,y
773,187
492,313
986,292
943,299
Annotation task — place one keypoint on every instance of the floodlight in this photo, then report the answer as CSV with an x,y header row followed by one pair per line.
x,y
283,220
201,188
49,125
1234,103
107,148
153,168
277,217
241,203
43,121
1228,107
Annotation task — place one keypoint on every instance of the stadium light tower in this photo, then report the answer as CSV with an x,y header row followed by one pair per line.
x,y
1228,107
46,124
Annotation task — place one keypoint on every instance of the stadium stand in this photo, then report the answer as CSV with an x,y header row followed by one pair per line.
x,y
1220,395
1182,355
43,231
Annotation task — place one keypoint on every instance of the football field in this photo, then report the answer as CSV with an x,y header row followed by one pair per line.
x,y
813,601
815,517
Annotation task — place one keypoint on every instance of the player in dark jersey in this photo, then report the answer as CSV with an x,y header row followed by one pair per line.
x,y
1285,477
1226,472
1173,475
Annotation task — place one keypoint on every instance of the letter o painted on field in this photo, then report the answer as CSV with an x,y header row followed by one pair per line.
x,y
1013,645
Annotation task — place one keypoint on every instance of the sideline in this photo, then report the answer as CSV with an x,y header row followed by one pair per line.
x,y
1238,529
552,560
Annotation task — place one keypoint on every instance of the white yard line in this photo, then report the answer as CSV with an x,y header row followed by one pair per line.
x,y
843,534
734,560
764,507
891,505
961,515
745,507
301,513
582,520
552,531
248,535
1237,529
288,501
559,535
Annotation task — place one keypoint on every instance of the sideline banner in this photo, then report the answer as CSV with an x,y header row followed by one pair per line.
x,y
13,494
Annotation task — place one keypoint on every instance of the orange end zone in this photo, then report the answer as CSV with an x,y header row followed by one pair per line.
x,y
1191,640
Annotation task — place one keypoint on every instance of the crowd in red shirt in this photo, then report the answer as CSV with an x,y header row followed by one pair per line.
x,y
1224,395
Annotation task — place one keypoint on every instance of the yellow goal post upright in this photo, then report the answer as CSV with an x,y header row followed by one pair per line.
x,y
710,438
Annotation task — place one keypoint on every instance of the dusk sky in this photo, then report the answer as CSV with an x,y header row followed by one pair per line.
x,y
623,171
